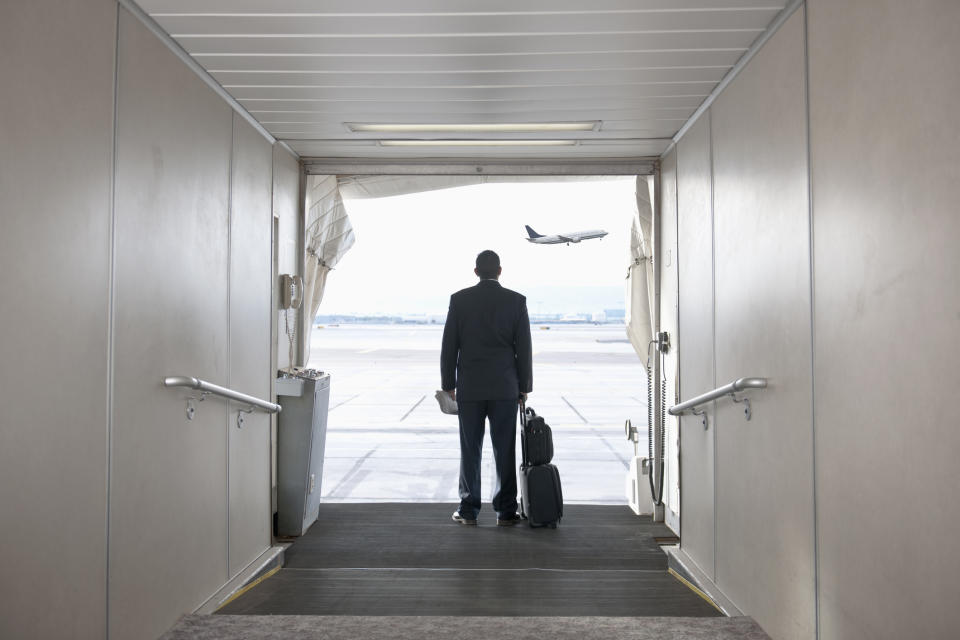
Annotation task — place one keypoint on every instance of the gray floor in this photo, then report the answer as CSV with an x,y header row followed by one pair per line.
x,y
413,560
421,536
388,441
442,628
465,592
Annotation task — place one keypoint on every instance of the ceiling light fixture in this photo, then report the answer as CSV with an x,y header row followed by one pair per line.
x,y
521,127
478,143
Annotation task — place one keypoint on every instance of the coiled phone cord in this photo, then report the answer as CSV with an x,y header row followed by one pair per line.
x,y
661,427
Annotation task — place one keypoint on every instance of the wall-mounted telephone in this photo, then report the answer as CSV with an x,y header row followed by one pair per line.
x,y
291,291
291,297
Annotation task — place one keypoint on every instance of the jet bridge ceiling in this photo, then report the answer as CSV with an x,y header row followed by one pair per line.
x,y
630,72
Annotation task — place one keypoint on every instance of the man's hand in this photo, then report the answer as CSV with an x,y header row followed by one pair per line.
x,y
452,393
523,398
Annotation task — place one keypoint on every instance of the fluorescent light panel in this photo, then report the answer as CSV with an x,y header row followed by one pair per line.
x,y
492,127
478,143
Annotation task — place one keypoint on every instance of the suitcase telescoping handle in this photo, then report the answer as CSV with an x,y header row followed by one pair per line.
x,y
523,440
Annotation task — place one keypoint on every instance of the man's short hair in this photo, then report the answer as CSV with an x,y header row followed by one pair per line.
x,y
488,264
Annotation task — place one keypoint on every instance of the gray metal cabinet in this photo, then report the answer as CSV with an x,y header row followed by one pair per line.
x,y
301,438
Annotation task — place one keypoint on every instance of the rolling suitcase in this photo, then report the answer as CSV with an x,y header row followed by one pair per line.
x,y
541,495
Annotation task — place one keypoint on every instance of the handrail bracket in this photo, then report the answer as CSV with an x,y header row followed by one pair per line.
x,y
746,405
698,412
240,418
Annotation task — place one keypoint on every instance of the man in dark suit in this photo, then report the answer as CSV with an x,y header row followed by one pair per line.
x,y
486,365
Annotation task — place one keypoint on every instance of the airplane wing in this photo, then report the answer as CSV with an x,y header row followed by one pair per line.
x,y
569,238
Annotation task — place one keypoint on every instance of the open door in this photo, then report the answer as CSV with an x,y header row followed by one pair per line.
x,y
669,323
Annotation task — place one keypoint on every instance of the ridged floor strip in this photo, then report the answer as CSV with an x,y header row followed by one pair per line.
x,y
412,560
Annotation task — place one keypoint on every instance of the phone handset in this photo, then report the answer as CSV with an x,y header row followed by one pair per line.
x,y
291,291
291,297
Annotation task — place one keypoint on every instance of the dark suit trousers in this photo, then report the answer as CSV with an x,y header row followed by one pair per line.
x,y
503,435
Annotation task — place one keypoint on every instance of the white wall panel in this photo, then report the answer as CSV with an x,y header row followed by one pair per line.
x,y
764,505
695,264
886,183
286,207
56,70
250,370
168,524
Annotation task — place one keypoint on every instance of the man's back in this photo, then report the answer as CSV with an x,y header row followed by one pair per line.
x,y
487,363
486,350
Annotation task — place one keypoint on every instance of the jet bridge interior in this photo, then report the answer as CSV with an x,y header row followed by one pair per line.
x,y
154,163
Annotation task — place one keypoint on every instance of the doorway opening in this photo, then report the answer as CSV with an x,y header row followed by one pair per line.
x,y
379,327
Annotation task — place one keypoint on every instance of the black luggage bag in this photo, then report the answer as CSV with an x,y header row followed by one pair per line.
x,y
541,496
537,438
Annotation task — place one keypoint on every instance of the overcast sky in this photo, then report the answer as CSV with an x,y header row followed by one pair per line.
x,y
413,251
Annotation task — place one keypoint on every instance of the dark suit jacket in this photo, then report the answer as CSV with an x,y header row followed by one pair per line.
x,y
486,344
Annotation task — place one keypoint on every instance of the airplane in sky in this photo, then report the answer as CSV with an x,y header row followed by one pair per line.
x,y
577,236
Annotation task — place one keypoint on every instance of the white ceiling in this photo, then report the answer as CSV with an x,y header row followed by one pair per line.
x,y
304,68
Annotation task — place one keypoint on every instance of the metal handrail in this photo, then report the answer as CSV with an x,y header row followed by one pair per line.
x,y
726,390
209,387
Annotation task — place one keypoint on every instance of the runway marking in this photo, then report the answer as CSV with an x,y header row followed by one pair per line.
x,y
585,421
623,459
454,456
368,350
344,402
412,408
569,431
352,477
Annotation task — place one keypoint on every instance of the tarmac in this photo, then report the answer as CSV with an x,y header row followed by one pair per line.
x,y
387,440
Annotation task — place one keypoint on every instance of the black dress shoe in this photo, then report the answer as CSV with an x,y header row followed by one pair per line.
x,y
459,518
508,520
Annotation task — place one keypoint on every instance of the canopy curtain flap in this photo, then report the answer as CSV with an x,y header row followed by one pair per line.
x,y
639,283
375,186
329,235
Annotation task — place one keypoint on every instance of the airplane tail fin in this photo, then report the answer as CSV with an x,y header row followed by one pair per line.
x,y
532,233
